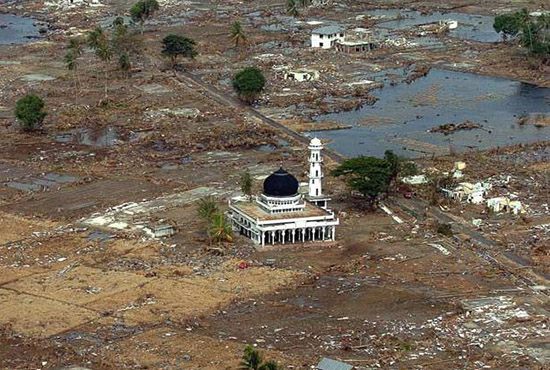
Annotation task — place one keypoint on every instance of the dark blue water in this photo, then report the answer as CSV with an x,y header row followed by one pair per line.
x,y
17,30
401,118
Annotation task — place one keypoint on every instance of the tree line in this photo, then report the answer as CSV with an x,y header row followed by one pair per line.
x,y
120,42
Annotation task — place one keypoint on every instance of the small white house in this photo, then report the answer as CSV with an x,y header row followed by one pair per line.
x,y
325,37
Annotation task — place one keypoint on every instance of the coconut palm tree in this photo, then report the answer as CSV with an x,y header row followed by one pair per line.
x,y
269,365
220,229
74,50
252,360
237,33
292,8
207,208
99,42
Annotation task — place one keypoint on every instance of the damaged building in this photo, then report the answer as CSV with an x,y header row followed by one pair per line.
x,y
358,40
301,75
325,37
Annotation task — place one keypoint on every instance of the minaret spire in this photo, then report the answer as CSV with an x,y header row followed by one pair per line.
x,y
315,170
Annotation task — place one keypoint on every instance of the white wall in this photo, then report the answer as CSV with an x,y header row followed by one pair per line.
x,y
325,40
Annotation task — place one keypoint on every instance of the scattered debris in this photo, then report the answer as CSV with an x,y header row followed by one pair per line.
x,y
449,128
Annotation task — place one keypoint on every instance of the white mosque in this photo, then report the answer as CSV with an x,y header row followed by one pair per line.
x,y
281,214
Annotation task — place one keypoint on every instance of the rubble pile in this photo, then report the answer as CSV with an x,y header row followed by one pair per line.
x,y
62,5
449,128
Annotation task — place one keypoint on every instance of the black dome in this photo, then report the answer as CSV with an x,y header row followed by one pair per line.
x,y
280,184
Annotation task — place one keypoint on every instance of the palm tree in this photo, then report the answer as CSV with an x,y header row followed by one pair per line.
x,y
292,8
98,41
252,358
71,62
124,63
269,365
207,208
220,230
237,33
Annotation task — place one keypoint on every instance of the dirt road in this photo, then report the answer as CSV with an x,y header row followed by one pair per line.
x,y
226,99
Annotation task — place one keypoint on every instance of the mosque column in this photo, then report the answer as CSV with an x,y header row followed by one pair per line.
x,y
262,236
272,237
333,232
283,233
323,233
304,235
293,235
313,230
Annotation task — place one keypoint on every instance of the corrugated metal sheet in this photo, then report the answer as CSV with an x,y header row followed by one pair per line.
x,y
329,364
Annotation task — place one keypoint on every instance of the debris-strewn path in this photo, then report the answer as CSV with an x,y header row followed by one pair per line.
x,y
224,98
481,244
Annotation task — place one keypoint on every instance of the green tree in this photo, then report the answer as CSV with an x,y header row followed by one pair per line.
x,y
207,207
220,229
269,365
252,360
121,34
143,10
124,63
29,111
246,184
398,167
99,42
370,176
444,229
510,25
74,51
125,44
532,32
237,33
249,83
176,45
292,8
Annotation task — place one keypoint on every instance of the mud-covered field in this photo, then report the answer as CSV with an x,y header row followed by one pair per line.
x,y
81,284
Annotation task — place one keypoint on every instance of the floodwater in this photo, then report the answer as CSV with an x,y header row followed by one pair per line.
x,y
470,26
401,118
17,30
100,138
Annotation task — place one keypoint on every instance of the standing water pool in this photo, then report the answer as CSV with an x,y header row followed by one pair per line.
x,y
17,30
400,120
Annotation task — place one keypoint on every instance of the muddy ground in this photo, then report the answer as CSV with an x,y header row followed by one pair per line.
x,y
385,294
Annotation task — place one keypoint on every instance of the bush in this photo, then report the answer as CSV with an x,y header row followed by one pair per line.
x,y
29,112
445,229
249,83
